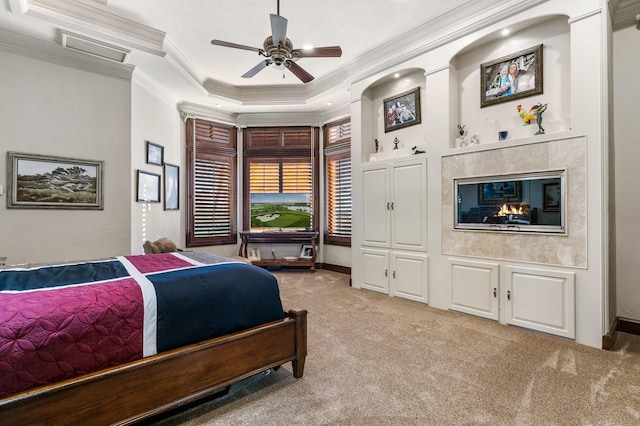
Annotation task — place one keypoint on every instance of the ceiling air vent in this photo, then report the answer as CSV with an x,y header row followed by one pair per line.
x,y
94,47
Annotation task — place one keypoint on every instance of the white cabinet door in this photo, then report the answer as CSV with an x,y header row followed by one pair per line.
x,y
410,276
375,208
409,205
541,299
375,270
475,287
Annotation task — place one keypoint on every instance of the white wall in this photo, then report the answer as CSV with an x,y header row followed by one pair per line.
x,y
55,110
157,120
626,95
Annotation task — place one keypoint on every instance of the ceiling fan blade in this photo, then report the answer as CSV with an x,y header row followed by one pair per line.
x,y
234,45
278,29
299,72
255,70
319,52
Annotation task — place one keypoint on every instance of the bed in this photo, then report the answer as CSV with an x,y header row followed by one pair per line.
x,y
115,341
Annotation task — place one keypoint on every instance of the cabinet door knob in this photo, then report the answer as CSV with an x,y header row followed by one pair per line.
x,y
495,294
394,274
508,294
385,273
387,206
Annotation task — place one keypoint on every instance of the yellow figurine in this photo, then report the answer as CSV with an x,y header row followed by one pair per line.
x,y
535,112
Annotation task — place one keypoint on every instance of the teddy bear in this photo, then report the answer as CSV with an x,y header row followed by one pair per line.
x,y
163,245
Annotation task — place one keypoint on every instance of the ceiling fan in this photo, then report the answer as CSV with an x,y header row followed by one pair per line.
x,y
278,51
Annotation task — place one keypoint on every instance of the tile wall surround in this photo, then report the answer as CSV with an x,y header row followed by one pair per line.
x,y
569,249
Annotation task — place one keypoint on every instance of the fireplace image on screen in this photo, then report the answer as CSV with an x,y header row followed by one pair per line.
x,y
532,202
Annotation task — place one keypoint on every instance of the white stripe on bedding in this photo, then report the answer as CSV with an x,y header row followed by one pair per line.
x,y
188,259
149,343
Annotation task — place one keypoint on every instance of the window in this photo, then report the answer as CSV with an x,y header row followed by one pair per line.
x,y
211,183
280,178
337,154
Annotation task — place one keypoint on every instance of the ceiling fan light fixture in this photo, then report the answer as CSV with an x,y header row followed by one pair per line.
x,y
279,52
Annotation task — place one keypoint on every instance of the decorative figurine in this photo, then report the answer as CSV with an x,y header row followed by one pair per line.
x,y
535,112
474,140
377,145
395,143
462,139
416,150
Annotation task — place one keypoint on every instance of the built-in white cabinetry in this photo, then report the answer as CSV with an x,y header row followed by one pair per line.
x,y
474,287
397,273
394,220
395,204
540,299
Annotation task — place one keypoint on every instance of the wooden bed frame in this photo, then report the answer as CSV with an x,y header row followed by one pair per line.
x,y
137,390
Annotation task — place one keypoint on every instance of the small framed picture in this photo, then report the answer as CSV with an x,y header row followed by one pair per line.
x,y
254,254
148,187
552,197
306,252
171,187
155,154
402,110
511,77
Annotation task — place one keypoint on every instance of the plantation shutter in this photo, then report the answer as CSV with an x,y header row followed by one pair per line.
x,y
339,197
212,198
338,176
264,177
211,159
296,177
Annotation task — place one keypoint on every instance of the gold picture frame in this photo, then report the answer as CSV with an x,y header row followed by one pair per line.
x,y
512,77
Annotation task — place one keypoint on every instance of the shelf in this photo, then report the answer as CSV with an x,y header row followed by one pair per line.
x,y
299,237
307,263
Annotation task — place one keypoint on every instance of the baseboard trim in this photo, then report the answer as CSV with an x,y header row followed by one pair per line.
x,y
337,268
609,339
630,326
625,325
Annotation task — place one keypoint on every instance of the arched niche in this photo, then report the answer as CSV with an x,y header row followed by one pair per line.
x,y
553,32
373,115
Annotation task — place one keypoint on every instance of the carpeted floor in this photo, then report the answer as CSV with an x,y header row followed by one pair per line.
x,y
377,360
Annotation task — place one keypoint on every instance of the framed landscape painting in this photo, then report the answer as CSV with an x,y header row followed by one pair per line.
x,y
50,182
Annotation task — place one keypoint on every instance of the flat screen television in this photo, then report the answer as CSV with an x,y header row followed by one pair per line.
x,y
280,211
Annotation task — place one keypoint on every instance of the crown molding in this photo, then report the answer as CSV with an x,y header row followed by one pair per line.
x,y
54,53
153,87
625,12
92,18
191,110
279,119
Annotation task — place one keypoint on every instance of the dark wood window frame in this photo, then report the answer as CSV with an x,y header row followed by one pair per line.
x,y
337,137
207,142
280,144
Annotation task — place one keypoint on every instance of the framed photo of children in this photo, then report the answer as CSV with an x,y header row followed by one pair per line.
x,y
511,77
402,110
